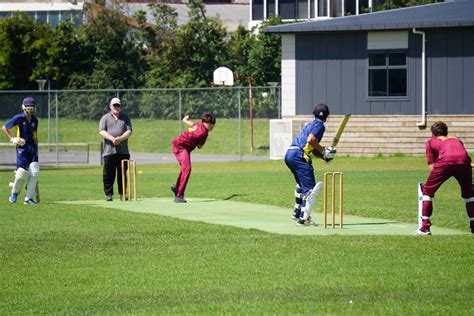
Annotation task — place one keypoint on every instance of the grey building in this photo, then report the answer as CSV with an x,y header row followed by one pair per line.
x,y
416,61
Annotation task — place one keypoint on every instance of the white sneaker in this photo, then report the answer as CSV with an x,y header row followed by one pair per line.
x,y
425,232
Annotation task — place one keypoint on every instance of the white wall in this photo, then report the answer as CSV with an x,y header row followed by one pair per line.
x,y
288,75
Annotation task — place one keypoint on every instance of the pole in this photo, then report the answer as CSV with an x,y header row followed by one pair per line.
x,y
49,115
179,110
249,80
240,125
57,134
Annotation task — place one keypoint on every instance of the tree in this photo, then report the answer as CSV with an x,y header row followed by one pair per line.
x,y
23,46
265,55
64,55
189,57
239,47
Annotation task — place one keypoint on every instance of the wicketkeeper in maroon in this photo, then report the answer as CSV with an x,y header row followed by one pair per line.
x,y
447,157
194,136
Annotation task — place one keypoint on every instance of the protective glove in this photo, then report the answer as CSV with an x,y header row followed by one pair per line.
x,y
307,149
17,141
329,153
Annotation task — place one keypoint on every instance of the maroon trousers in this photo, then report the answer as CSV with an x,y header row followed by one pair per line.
x,y
184,158
463,174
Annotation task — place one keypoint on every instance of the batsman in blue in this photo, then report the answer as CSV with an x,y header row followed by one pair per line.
x,y
299,161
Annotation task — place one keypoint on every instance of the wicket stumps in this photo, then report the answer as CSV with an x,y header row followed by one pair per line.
x,y
131,165
333,178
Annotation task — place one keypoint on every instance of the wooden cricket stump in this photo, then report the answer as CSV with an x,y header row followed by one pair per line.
x,y
129,193
333,179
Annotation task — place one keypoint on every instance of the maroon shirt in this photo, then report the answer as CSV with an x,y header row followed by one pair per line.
x,y
192,137
446,151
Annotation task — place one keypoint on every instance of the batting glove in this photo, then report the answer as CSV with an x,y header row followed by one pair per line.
x,y
329,153
17,141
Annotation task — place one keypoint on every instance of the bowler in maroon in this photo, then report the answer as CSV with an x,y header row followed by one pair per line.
x,y
184,144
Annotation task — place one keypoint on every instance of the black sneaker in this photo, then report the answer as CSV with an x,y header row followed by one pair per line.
x,y
308,222
109,198
174,189
296,214
179,200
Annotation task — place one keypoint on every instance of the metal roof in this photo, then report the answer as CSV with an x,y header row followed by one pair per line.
x,y
438,15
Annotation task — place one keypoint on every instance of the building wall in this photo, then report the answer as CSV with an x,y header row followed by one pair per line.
x,y
450,71
332,68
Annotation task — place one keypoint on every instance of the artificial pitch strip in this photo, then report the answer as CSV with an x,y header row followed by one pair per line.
x,y
266,218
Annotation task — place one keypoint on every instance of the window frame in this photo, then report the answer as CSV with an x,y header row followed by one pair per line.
x,y
387,67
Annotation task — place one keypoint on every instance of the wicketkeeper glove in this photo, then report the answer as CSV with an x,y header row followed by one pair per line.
x,y
17,141
329,153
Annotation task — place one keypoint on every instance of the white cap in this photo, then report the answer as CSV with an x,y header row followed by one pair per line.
x,y
115,101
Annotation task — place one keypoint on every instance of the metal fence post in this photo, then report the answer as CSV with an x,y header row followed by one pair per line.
x,y
57,127
49,115
240,125
179,110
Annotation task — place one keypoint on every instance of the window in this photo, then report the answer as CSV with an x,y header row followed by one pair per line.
x,y
257,10
42,16
77,18
5,15
387,74
53,18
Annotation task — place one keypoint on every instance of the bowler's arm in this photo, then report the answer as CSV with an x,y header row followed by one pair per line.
x,y
187,121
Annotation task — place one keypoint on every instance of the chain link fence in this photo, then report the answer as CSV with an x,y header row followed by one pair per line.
x,y
68,129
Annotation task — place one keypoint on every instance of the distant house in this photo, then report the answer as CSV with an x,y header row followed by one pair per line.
x,y
298,10
45,11
232,13
58,11
414,64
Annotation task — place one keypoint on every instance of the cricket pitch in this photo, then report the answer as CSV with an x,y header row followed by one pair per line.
x,y
266,218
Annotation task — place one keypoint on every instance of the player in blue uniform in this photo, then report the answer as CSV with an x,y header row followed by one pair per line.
x,y
298,160
25,138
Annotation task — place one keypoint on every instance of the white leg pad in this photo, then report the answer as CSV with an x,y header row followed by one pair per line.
x,y
311,200
33,179
469,200
426,198
21,176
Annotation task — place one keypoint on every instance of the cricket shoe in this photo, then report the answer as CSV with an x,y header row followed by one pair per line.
x,y
179,200
423,232
109,198
296,214
13,197
174,189
30,201
309,222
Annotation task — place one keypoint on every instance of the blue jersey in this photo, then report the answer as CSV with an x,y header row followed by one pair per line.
x,y
24,128
315,128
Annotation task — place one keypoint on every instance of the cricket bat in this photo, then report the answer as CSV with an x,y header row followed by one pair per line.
x,y
340,129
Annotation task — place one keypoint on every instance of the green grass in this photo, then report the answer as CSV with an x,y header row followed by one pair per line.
x,y
73,259
156,135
